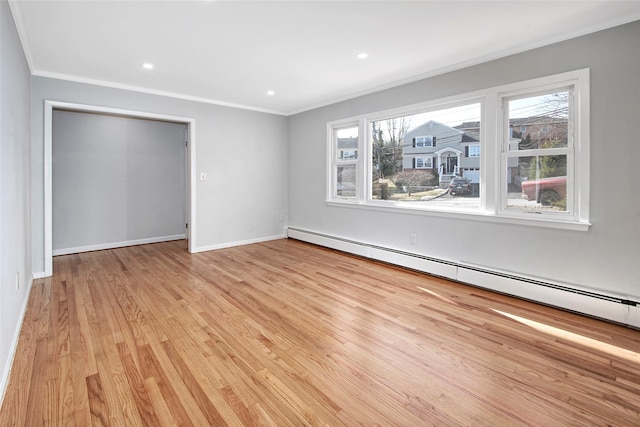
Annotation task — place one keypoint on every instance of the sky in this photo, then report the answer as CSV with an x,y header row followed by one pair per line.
x,y
545,104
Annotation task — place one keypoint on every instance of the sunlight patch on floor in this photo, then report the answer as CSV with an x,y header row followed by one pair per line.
x,y
613,350
437,295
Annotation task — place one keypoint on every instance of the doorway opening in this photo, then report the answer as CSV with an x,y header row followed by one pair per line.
x,y
50,106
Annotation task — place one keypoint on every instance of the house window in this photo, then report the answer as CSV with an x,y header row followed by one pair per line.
x,y
346,181
539,178
424,162
545,172
537,168
415,155
349,154
344,152
424,141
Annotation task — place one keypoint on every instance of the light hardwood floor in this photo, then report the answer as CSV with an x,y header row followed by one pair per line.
x,y
284,333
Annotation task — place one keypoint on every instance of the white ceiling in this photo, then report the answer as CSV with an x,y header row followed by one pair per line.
x,y
232,52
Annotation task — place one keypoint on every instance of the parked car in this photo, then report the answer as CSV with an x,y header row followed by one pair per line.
x,y
545,191
459,185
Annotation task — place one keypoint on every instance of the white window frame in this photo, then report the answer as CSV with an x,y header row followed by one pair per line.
x,y
425,139
577,149
494,137
335,161
425,164
477,154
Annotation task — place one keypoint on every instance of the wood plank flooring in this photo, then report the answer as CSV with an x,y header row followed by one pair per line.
x,y
284,333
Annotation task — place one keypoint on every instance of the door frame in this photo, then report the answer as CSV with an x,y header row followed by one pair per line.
x,y
50,105
452,162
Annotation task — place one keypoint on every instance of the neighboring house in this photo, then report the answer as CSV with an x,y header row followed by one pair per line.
x,y
348,148
455,151
532,133
450,151
539,129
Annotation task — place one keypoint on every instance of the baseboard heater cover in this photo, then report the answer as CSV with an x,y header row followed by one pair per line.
x,y
589,302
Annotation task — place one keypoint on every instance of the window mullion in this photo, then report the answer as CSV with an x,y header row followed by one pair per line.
x,y
490,147
363,172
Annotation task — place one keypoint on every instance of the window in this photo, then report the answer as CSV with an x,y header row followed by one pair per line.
x,y
403,174
349,154
423,162
537,162
346,181
344,145
424,141
523,148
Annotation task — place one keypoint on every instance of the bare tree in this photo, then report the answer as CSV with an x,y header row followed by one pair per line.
x,y
387,138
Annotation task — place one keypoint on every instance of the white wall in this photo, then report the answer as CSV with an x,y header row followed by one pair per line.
x,y
116,181
242,152
15,238
607,257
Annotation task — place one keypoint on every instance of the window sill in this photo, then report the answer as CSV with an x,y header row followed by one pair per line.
x,y
467,215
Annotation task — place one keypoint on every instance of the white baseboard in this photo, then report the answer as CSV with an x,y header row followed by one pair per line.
x,y
563,298
236,243
441,269
595,303
112,245
6,371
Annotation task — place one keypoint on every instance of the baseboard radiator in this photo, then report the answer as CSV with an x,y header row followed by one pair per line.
x,y
607,306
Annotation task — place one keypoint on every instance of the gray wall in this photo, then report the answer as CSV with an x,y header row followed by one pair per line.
x,y
116,180
15,205
243,153
606,257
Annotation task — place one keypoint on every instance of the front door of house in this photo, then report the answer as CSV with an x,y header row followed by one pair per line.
x,y
452,162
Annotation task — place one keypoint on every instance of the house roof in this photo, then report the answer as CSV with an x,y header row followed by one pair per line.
x,y
471,131
431,128
351,142
473,136
536,120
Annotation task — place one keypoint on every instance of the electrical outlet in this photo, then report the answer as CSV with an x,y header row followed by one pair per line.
x,y
413,238
281,217
17,281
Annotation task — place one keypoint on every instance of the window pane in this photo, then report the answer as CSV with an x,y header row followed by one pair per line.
x,y
416,158
347,144
539,121
346,181
537,183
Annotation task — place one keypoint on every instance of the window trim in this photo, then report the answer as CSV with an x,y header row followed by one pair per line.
x,y
424,144
333,160
423,158
492,160
578,149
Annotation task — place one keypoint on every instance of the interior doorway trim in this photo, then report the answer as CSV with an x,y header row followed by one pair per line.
x,y
49,106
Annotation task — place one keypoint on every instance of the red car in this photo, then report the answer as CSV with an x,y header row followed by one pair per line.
x,y
546,191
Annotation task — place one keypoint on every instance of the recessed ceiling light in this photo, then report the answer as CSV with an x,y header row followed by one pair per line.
x,y
271,92
147,66
363,55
